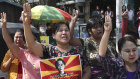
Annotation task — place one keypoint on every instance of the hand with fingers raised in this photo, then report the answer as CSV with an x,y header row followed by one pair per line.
x,y
26,13
105,38
74,15
3,20
108,24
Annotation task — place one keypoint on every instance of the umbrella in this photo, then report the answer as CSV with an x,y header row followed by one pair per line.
x,y
44,13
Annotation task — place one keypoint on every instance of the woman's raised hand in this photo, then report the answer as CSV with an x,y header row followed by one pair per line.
x,y
3,19
108,24
74,15
26,13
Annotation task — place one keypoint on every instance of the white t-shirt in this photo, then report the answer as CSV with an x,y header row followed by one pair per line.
x,y
130,15
108,13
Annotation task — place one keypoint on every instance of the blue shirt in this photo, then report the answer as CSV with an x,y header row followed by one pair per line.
x,y
130,75
96,13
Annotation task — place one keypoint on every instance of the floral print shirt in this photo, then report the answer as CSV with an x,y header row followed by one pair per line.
x,y
91,50
50,51
116,68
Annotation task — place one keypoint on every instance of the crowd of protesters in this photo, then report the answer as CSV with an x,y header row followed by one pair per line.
x,y
99,58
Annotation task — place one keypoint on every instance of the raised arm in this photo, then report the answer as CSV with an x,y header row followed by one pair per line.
x,y
34,46
104,41
7,38
74,41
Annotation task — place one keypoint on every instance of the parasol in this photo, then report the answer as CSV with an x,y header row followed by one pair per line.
x,y
44,13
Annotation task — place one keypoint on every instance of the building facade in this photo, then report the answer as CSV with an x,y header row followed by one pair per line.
x,y
86,7
12,9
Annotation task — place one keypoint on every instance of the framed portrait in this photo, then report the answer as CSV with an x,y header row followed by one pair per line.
x,y
82,31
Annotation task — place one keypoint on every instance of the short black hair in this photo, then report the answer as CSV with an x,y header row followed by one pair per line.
x,y
132,34
57,26
56,63
21,31
93,22
122,41
128,6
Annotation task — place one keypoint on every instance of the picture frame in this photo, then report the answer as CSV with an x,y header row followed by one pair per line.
x,y
82,31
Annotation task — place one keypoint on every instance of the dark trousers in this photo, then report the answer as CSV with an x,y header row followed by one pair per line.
x,y
130,26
